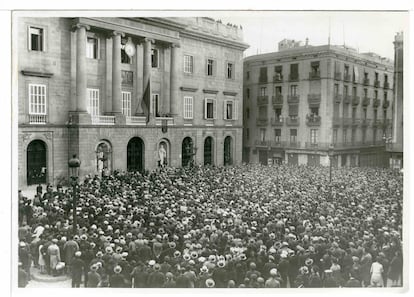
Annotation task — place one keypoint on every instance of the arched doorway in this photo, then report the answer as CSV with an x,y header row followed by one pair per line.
x,y
228,156
103,157
187,152
208,151
36,162
135,154
163,153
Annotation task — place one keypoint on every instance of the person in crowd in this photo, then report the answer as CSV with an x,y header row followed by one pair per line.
x,y
377,271
227,227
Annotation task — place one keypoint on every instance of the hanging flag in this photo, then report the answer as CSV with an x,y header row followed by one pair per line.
x,y
146,99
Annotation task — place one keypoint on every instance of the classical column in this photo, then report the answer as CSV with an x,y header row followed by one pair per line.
x,y
116,71
81,104
174,101
147,64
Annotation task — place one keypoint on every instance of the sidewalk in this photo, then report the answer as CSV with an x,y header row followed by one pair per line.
x,y
39,280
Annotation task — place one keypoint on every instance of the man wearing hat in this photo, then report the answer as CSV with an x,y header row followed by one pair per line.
x,y
93,277
53,252
139,276
273,281
220,275
69,249
329,280
210,283
78,265
156,278
117,280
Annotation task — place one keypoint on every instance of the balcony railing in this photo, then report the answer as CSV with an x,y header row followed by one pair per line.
x,y
277,100
365,122
385,104
338,75
263,79
293,98
366,101
278,121
277,78
159,121
37,119
292,121
276,143
337,98
347,77
347,99
377,123
314,99
386,85
355,100
376,102
293,144
366,81
262,142
313,120
315,75
355,121
376,83
262,122
262,100
293,77
317,145
136,120
356,144
103,120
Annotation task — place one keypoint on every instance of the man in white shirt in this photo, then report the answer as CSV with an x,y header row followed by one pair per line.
x,y
376,274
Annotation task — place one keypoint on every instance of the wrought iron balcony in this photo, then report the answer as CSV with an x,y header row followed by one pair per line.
x,y
376,83
277,78
366,101
316,145
347,99
277,100
262,142
292,121
293,144
338,75
337,98
313,120
37,119
262,122
103,120
315,75
366,81
386,85
385,104
347,77
278,121
293,98
262,100
294,77
276,143
355,100
314,99
376,102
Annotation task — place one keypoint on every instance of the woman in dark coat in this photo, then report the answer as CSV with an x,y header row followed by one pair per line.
x,y
395,268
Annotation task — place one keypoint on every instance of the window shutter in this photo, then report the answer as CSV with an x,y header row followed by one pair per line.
x,y
205,108
225,109
215,108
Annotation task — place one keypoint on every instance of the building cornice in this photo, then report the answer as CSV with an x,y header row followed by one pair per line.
x,y
37,73
188,89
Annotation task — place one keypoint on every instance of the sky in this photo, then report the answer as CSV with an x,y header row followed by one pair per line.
x,y
365,31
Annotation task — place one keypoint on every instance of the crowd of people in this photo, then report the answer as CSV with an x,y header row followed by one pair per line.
x,y
247,226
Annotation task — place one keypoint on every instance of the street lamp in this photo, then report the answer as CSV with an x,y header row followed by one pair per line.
x,y
74,164
330,153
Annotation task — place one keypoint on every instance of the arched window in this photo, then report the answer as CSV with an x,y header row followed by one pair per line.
x,y
187,152
228,151
103,157
135,154
208,151
36,162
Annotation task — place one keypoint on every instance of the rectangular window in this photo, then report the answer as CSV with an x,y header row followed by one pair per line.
x,y
247,113
247,133
365,75
375,94
210,108
188,64
335,136
36,39
315,67
314,111
346,70
345,90
230,70
278,112
154,58
92,48
375,114
278,91
263,75
210,67
353,135
294,71
262,134
354,91
365,113
336,89
293,90
248,93
365,92
278,73
293,135
126,103
230,110
37,99
376,75
155,106
278,135
262,112
188,107
93,101
354,111
385,78
313,136
248,75
263,91
385,96
344,136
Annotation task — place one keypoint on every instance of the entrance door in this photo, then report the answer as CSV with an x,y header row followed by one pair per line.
x,y
36,162
228,157
263,157
187,152
293,159
208,151
135,154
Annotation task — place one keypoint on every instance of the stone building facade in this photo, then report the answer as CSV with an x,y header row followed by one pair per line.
x,y
126,94
311,104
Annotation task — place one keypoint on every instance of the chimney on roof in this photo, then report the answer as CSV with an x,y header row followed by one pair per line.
x,y
306,41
